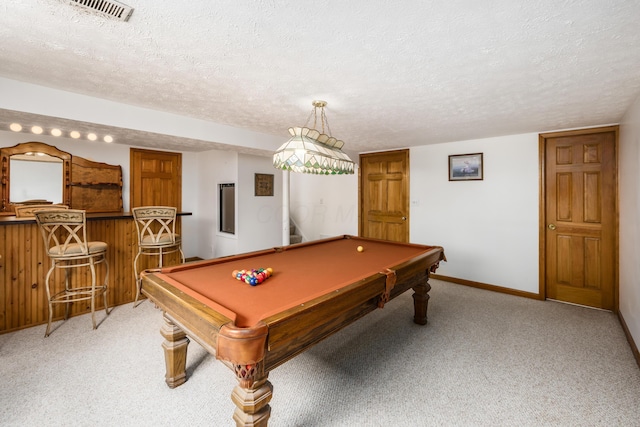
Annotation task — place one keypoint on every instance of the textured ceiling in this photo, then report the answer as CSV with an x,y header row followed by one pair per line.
x,y
394,74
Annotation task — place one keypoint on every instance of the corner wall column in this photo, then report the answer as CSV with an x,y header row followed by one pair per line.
x,y
285,208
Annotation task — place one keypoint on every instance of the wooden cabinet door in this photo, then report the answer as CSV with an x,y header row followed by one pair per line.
x,y
384,195
156,178
580,216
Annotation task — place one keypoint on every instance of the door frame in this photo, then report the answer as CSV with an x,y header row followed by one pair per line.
x,y
361,189
542,145
135,173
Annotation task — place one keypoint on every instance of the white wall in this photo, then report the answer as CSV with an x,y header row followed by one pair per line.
x,y
214,167
488,228
324,205
259,218
629,197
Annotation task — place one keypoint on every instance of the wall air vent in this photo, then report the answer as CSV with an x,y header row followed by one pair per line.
x,y
109,8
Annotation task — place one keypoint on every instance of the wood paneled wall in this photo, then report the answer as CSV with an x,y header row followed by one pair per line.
x,y
24,265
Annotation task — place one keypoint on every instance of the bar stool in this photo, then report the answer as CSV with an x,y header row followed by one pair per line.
x,y
156,226
65,239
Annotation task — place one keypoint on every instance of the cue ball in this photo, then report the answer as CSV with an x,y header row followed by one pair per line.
x,y
360,249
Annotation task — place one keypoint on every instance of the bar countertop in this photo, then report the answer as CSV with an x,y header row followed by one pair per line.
x,y
95,216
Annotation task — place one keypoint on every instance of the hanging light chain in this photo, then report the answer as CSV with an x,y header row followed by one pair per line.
x,y
323,116
325,120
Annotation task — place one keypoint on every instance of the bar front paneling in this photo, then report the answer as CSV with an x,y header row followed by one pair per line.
x,y
24,264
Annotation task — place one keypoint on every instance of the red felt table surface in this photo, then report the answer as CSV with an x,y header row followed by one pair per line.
x,y
300,274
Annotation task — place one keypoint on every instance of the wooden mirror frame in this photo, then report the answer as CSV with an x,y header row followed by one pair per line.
x,y
27,147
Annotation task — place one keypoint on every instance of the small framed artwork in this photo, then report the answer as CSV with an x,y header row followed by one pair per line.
x,y
465,167
264,185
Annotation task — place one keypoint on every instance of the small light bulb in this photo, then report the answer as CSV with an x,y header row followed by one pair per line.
x,y
56,132
108,138
36,129
15,127
75,134
92,137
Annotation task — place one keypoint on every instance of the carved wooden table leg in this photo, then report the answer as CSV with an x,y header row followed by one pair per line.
x,y
421,301
175,352
251,396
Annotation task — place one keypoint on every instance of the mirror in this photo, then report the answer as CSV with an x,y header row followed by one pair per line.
x,y
35,176
24,178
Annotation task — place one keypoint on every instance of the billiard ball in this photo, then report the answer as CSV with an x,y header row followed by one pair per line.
x,y
360,249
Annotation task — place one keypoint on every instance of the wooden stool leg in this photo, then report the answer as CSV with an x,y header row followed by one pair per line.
x,y
92,267
67,280
106,285
136,277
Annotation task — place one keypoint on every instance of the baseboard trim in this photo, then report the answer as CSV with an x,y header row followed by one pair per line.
x,y
632,344
487,287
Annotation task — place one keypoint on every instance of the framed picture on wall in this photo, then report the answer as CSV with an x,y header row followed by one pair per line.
x,y
465,167
264,185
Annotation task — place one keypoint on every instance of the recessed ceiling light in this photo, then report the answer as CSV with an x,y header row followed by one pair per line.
x,y
108,138
56,132
75,134
15,127
92,137
36,129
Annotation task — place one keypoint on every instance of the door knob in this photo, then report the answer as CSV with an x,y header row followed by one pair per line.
x,y
552,226
404,218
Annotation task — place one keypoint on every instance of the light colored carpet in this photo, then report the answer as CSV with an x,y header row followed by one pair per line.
x,y
484,359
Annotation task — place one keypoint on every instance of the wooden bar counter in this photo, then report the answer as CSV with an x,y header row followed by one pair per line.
x,y
24,265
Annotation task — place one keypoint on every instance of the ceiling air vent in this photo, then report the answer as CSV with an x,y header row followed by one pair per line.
x,y
110,8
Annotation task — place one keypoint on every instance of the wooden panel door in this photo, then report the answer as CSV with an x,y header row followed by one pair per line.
x,y
384,195
156,178
580,217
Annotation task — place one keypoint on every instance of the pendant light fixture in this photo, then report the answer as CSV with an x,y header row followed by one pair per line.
x,y
311,151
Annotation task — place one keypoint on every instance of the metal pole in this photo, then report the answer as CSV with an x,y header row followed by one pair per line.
x,y
285,209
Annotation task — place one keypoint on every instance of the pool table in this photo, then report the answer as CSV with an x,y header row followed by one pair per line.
x,y
316,289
